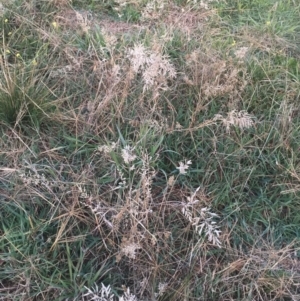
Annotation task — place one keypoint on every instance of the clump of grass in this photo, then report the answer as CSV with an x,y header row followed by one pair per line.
x,y
24,99
165,162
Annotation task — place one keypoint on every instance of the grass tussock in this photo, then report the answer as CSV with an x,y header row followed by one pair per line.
x,y
149,150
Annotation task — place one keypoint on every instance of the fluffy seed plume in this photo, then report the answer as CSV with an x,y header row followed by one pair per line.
x,y
128,154
241,119
183,167
154,67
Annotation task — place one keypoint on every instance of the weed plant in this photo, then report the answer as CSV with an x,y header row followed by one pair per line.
x,y
149,150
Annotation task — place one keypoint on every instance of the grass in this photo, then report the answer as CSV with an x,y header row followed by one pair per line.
x,y
149,150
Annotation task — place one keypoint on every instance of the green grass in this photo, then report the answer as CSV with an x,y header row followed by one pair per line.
x,y
92,201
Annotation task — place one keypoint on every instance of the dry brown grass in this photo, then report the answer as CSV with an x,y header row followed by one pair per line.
x,y
84,21
108,181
